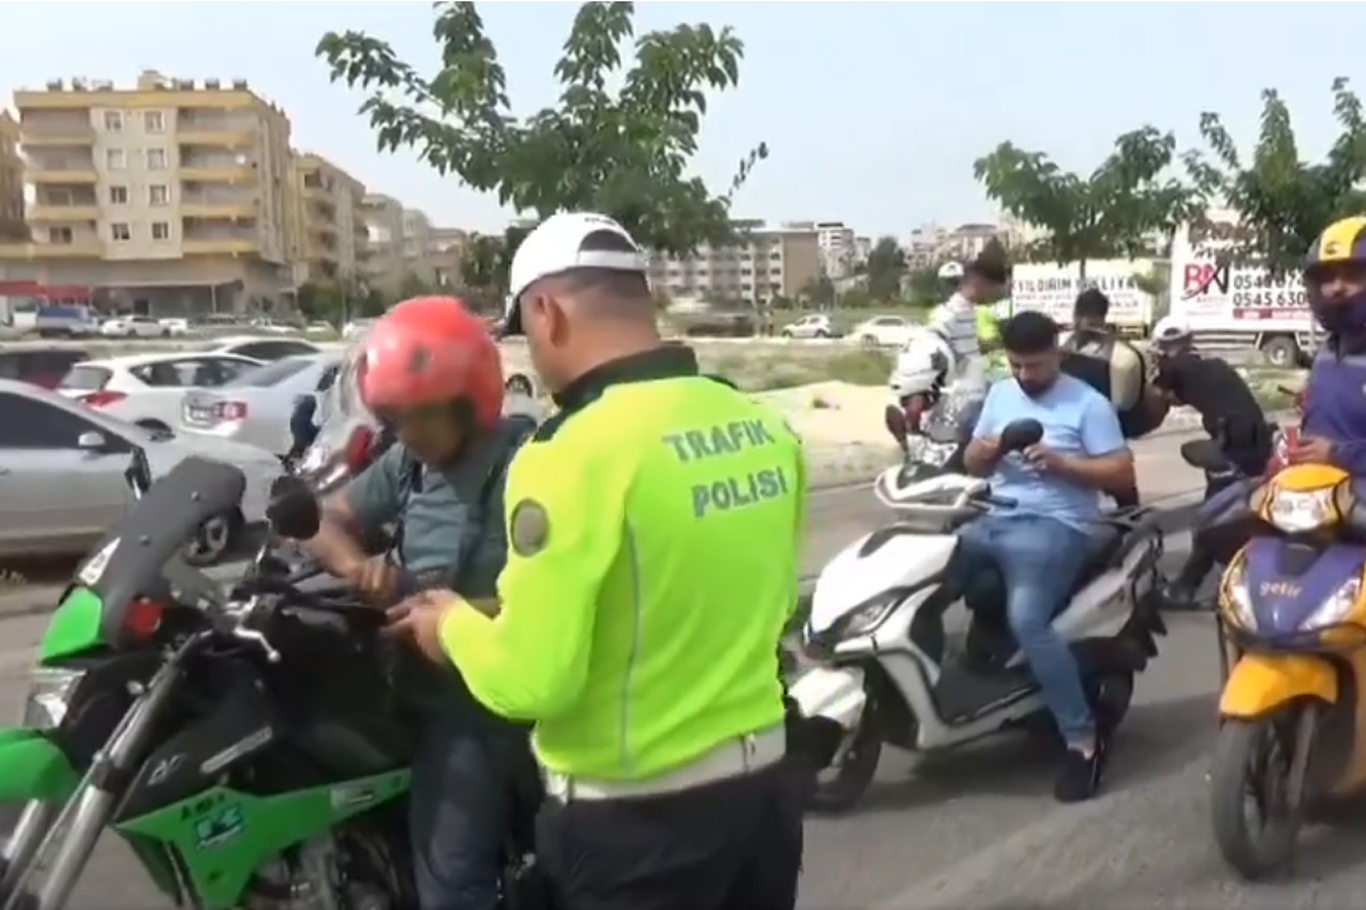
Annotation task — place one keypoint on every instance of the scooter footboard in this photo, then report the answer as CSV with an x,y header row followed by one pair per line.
x,y
33,768
836,693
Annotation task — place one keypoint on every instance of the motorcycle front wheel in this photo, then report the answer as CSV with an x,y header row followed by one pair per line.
x,y
1256,784
842,785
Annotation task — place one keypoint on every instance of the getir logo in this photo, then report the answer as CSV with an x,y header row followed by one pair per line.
x,y
1203,278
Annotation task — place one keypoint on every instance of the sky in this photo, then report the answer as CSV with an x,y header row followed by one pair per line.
x,y
873,112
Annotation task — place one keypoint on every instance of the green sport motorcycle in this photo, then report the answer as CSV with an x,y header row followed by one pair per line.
x,y
242,741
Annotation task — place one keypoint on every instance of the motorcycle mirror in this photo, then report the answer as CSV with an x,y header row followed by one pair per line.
x,y
138,474
1021,434
293,511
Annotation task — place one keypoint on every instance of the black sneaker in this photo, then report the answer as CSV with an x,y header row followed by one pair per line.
x,y
1080,776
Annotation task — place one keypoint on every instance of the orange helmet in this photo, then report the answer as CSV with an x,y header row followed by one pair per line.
x,y
429,350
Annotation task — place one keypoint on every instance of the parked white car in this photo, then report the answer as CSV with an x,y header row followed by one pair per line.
x,y
176,328
883,332
146,389
133,327
815,325
255,407
61,475
260,348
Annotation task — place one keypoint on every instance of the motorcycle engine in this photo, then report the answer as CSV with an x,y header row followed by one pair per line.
x,y
348,872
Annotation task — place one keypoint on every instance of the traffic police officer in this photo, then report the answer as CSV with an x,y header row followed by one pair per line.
x,y
654,525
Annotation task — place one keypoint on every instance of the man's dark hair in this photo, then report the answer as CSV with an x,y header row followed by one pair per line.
x,y
991,264
1029,332
1091,304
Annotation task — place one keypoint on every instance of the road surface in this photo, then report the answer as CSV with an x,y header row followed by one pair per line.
x,y
978,829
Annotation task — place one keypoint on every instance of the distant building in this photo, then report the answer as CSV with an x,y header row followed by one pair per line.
x,y
766,263
330,208
172,196
12,225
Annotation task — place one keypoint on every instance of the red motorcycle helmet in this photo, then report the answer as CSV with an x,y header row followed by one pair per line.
x,y
430,350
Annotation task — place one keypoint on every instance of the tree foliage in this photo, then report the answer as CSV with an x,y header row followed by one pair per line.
x,y
621,151
486,263
884,268
1113,212
1283,202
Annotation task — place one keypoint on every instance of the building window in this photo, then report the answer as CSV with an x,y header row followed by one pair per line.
x,y
113,121
120,231
161,230
153,122
158,194
156,159
118,195
115,160
61,235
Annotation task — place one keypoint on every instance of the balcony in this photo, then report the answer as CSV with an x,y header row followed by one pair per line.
x,y
80,249
220,246
214,136
56,137
217,173
81,174
63,214
317,252
219,209
322,227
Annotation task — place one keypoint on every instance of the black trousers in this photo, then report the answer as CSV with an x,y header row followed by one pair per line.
x,y
732,845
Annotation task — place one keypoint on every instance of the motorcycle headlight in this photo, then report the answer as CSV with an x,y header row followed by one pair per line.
x,y
1298,511
1335,608
49,693
867,617
1236,599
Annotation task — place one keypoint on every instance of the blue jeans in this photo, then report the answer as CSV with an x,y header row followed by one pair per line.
x,y
458,816
1039,559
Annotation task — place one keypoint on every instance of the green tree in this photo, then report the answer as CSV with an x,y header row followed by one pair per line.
x,y
819,292
1113,212
486,264
1283,202
924,287
884,269
412,285
623,151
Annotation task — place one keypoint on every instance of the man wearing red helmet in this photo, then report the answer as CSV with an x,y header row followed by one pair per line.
x,y
430,371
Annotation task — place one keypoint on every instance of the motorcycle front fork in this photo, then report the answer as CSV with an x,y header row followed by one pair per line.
x,y
70,839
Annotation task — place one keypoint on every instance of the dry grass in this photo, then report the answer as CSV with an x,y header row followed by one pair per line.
x,y
767,373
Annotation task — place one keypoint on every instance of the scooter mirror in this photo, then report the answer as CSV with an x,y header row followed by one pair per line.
x,y
1021,434
293,511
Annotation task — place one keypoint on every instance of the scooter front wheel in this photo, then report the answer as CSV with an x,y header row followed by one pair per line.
x,y
842,785
1254,768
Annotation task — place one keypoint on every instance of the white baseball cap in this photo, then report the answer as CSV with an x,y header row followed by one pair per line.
x,y
562,243
950,271
1171,328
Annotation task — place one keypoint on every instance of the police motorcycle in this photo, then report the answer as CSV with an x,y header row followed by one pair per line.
x,y
242,740
883,666
1291,741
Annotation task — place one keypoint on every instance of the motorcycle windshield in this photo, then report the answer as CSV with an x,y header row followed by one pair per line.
x,y
127,563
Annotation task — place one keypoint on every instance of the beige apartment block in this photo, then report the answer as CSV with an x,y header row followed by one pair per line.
x,y
763,264
330,211
12,226
383,266
445,253
172,197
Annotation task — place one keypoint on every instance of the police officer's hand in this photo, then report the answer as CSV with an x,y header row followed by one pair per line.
x,y
375,578
418,618
1313,450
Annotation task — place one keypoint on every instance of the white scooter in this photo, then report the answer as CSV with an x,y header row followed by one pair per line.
x,y
882,666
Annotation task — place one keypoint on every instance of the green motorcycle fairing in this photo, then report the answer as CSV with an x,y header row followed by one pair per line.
x,y
224,835
32,767
74,628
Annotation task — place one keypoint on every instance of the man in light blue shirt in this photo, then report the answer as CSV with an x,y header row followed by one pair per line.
x,y
1041,544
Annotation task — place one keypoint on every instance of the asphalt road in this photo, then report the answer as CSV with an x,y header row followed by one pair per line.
x,y
978,829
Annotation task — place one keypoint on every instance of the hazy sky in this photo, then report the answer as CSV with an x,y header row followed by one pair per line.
x,y
874,112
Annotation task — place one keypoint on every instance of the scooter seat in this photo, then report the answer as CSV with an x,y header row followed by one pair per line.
x,y
1113,538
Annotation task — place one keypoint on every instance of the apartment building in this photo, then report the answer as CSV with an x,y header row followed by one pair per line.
x,y
329,208
12,225
764,263
841,251
383,216
171,197
445,252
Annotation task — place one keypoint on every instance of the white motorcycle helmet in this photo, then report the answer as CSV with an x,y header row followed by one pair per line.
x,y
922,366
